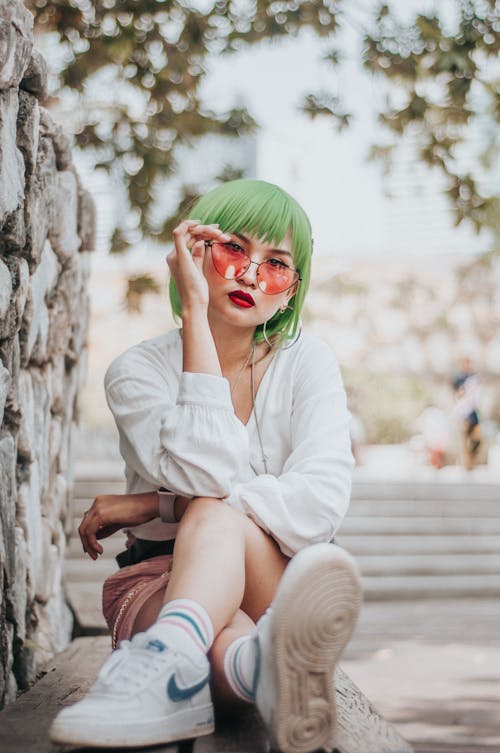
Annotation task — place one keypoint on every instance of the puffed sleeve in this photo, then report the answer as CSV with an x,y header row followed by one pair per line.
x,y
179,434
306,503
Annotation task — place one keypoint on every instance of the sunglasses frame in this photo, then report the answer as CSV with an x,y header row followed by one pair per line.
x,y
258,263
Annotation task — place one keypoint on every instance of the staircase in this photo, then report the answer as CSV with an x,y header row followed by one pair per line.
x,y
412,541
424,540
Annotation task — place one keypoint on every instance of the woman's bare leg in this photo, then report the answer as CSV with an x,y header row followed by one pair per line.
x,y
241,624
224,561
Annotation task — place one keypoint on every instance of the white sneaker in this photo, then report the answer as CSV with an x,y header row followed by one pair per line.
x,y
145,694
299,640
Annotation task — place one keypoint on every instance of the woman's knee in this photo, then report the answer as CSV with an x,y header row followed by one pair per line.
x,y
209,513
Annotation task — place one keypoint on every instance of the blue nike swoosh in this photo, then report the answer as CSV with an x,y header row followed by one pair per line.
x,y
175,693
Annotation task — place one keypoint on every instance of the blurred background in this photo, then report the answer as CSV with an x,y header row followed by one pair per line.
x,y
381,119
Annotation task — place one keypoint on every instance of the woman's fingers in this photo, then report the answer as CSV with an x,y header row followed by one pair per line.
x,y
197,254
112,512
189,233
88,528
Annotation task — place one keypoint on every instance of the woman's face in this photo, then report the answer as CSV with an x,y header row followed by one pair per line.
x,y
241,301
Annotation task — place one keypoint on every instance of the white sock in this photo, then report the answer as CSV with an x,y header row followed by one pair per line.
x,y
239,667
184,625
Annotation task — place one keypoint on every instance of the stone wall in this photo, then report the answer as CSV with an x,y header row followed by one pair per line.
x,y
46,233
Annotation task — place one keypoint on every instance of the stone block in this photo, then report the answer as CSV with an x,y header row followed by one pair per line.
x,y
16,42
35,324
55,624
55,504
26,435
86,220
59,138
8,685
28,131
7,501
79,332
40,352
67,457
5,294
63,233
13,234
11,161
29,518
42,399
85,261
46,576
39,202
19,589
55,437
10,353
4,390
24,663
10,321
35,76
21,278
59,308
58,375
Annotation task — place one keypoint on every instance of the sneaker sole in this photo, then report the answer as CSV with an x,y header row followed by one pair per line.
x,y
97,734
315,611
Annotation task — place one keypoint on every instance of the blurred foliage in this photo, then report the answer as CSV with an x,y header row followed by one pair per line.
x,y
388,404
153,56
443,74
155,53
137,287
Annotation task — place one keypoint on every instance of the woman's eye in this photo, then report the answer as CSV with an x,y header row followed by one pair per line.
x,y
278,263
234,247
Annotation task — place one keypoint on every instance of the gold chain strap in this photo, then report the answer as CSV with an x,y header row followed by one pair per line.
x,y
123,607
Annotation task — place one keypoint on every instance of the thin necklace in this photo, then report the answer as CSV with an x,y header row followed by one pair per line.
x,y
263,454
250,356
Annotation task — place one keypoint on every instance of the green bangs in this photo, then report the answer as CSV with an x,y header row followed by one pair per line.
x,y
267,212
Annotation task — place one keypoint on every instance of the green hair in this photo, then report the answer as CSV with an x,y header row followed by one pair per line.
x,y
268,212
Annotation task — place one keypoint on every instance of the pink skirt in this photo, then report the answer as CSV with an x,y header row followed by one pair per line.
x,y
125,592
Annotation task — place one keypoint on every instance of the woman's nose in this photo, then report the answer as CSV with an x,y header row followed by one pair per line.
x,y
249,276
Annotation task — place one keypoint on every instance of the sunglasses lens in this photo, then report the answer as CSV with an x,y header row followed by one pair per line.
x,y
275,278
231,263
228,261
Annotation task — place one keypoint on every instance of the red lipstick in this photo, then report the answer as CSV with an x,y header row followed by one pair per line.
x,y
241,299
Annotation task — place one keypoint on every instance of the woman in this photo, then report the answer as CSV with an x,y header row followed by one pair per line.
x,y
235,435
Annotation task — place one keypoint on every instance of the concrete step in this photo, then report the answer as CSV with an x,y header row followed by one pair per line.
x,y
85,598
409,587
88,489
359,544
91,470
383,508
422,490
78,570
112,546
444,508
390,557
424,526
85,595
24,725
105,477
431,565
375,525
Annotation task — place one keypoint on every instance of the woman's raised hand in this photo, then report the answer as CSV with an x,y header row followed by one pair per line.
x,y
111,512
186,260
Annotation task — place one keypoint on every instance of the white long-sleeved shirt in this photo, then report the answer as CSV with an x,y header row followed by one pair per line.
x,y
179,430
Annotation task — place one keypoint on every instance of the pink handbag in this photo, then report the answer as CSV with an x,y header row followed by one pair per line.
x,y
126,591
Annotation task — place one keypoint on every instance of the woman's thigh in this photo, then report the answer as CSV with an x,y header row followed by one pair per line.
x,y
264,566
